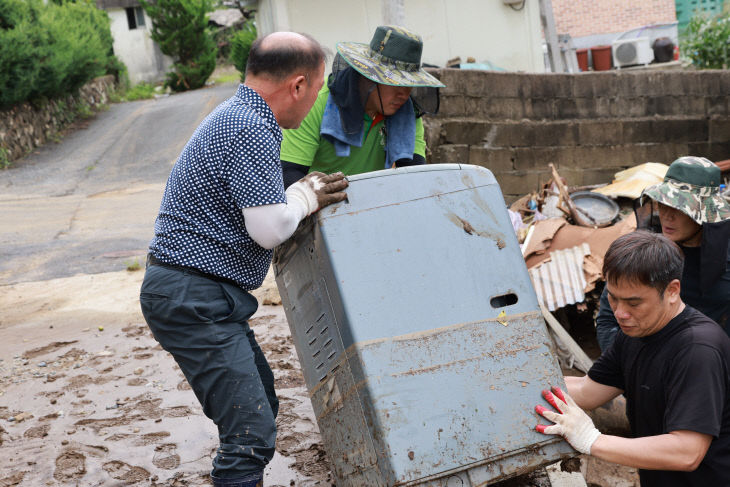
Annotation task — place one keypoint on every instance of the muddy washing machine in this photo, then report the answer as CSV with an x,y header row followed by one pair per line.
x,y
419,332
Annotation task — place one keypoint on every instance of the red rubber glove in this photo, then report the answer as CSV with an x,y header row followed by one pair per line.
x,y
571,422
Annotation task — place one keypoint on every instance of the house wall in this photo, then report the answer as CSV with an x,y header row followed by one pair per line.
x,y
136,49
485,30
590,125
590,17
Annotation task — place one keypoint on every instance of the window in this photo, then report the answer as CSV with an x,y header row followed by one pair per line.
x,y
135,17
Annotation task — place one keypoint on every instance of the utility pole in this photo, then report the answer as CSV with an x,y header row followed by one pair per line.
x,y
393,12
551,36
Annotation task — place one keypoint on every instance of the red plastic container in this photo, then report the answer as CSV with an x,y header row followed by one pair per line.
x,y
601,58
582,55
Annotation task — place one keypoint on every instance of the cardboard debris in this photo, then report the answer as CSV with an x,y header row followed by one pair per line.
x,y
631,182
541,237
557,234
656,168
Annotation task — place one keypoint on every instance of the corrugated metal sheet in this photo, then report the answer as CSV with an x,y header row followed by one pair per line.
x,y
560,280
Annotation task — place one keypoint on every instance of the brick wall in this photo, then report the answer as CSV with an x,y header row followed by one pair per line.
x,y
585,17
590,125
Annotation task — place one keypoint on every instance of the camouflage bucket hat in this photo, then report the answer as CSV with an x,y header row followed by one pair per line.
x,y
692,186
393,58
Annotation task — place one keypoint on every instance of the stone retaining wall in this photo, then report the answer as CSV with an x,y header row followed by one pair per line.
x,y
25,126
590,125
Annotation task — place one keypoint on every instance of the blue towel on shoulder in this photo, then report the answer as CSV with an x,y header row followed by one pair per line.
x,y
399,127
332,131
401,134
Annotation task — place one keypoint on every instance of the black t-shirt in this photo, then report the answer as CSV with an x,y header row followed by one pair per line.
x,y
676,379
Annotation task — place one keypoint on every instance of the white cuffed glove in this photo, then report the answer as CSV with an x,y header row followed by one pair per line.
x,y
317,190
571,422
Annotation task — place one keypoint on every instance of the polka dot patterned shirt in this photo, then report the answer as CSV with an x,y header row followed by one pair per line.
x,y
231,162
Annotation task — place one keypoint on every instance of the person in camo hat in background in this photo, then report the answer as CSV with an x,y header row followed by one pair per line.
x,y
368,116
693,214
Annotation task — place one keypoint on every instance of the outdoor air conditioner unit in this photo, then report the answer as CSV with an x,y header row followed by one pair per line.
x,y
629,52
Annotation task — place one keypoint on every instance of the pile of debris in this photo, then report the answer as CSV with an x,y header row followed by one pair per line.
x,y
564,233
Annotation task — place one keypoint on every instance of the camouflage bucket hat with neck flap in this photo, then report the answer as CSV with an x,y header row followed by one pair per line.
x,y
393,57
692,186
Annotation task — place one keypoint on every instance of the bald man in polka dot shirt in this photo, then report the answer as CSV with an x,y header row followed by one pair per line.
x,y
223,211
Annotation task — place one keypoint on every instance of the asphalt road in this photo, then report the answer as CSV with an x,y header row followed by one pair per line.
x,y
87,204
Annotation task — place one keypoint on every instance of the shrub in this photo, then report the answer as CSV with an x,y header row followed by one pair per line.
x,y
19,66
180,27
706,41
4,158
117,68
240,47
140,91
51,50
13,12
222,37
73,49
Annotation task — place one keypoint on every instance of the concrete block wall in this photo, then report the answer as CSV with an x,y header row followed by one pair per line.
x,y
590,125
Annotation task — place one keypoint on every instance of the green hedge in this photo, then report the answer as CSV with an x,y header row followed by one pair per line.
x,y
706,41
51,49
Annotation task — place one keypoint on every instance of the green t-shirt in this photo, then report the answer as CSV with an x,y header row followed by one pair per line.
x,y
305,146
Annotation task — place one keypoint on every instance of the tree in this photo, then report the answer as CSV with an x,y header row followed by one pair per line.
x,y
706,41
241,46
180,27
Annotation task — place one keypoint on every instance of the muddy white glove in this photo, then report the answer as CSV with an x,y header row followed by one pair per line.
x,y
317,190
270,225
571,422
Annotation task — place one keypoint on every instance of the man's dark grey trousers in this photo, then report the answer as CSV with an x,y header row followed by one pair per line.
x,y
203,323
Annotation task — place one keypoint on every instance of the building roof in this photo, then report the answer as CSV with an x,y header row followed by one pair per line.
x,y
109,4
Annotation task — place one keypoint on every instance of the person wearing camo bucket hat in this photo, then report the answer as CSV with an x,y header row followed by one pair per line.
x,y
392,58
692,186
692,213
368,117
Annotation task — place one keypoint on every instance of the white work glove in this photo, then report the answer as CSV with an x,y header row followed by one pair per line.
x,y
317,190
571,422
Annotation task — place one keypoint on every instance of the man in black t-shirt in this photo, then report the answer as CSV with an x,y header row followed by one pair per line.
x,y
671,362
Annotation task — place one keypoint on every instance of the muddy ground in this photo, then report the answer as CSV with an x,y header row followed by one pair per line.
x,y
88,398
